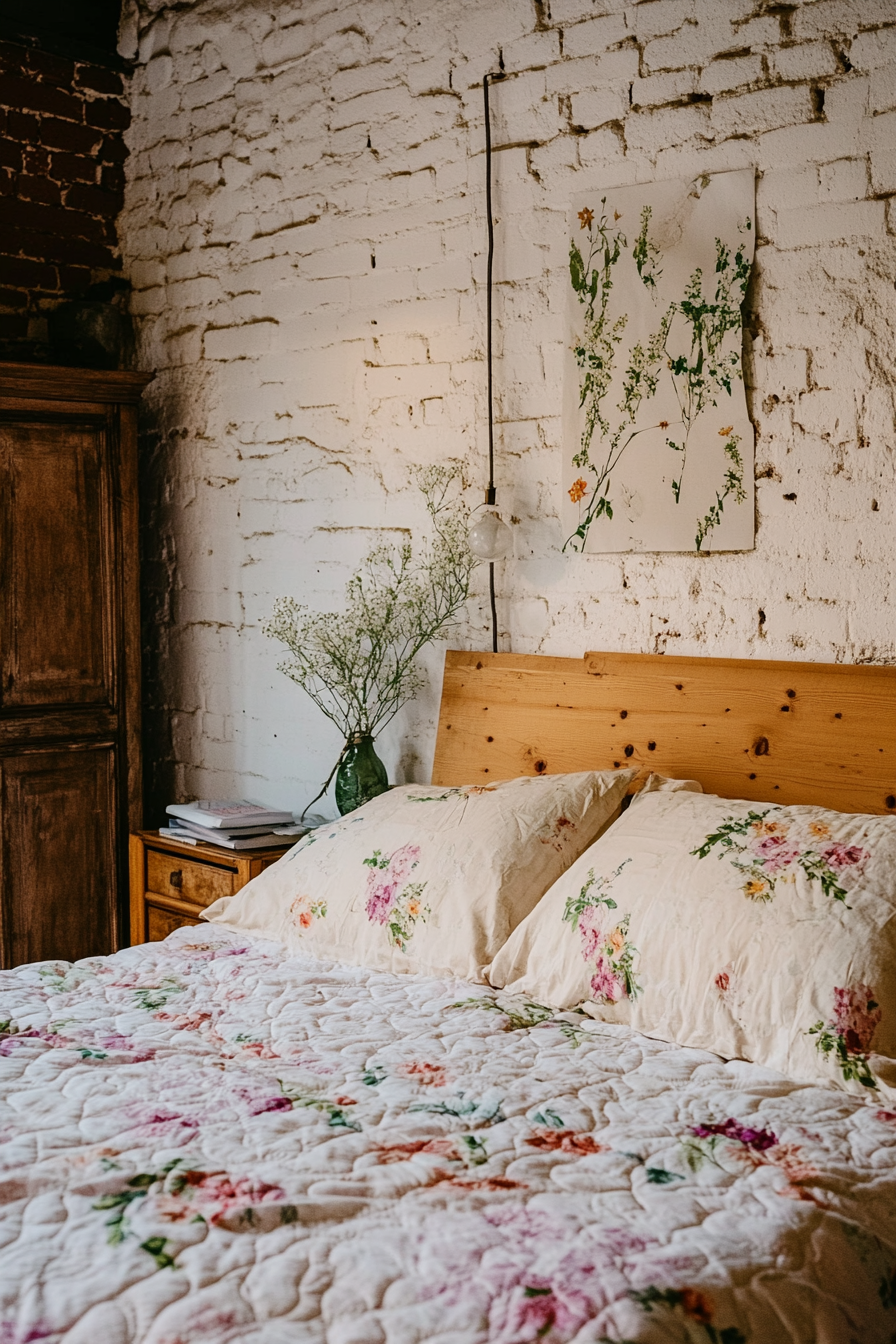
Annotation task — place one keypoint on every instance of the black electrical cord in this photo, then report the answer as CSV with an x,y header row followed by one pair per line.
x,y
490,493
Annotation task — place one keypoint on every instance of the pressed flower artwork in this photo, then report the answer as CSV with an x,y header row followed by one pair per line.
x,y
658,445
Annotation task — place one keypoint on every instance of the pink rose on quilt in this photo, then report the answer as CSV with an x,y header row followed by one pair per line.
x,y
539,1309
385,878
214,1194
856,1015
844,856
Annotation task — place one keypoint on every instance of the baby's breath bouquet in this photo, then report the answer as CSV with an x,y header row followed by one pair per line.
x,y
359,665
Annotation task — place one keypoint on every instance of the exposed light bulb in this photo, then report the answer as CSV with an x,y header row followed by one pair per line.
x,y
489,538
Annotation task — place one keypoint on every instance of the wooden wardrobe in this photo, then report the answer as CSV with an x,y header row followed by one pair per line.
x,y
70,768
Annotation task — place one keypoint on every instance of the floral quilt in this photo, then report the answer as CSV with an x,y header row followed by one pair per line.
x,y
208,1140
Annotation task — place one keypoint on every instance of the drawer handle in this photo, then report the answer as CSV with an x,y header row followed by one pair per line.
x,y
176,879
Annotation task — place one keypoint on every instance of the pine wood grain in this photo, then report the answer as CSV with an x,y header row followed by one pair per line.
x,y
771,732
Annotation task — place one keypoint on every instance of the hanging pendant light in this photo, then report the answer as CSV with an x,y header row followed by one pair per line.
x,y
489,537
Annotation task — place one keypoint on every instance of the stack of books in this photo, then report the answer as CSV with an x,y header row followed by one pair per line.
x,y
234,825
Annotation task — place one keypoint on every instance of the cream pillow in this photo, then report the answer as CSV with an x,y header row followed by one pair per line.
x,y
756,931
425,878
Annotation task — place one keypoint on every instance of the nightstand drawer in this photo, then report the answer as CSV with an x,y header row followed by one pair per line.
x,y
171,883
185,880
159,923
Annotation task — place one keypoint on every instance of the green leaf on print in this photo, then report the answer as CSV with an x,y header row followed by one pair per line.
x,y
488,1113
336,1116
692,1304
853,1064
436,797
696,1151
588,897
660,1176
157,996
730,828
155,1246
374,1075
518,1018
377,860
575,1035
476,1152
548,1118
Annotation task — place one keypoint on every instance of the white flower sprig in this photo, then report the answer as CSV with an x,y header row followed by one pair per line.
x,y
358,665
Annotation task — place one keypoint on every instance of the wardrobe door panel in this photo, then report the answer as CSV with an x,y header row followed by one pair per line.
x,y
56,569
57,854
70,770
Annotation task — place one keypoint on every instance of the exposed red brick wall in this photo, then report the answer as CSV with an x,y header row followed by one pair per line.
x,y
62,158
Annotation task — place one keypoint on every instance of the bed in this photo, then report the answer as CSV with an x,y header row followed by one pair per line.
x,y
211,1139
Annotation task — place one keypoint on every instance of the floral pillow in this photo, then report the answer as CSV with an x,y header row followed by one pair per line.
x,y
756,931
426,878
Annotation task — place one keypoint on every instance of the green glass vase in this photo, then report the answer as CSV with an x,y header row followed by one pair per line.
x,y
361,774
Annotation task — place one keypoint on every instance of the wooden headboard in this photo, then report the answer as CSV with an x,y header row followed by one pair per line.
x,y
775,732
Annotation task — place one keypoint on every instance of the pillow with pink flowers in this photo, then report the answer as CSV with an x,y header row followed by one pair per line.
x,y
753,930
426,878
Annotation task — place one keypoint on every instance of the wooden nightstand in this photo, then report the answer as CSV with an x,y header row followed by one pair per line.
x,y
171,884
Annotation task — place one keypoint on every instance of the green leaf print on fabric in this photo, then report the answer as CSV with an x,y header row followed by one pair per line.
x,y
850,1032
179,1194
694,1306
660,1176
333,1110
153,997
520,1017
767,848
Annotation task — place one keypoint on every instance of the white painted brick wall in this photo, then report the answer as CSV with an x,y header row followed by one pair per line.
x,y
277,151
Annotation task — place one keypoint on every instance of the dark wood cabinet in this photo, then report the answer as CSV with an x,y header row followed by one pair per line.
x,y
70,767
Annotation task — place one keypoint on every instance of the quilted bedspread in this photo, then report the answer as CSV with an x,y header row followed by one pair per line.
x,y
207,1140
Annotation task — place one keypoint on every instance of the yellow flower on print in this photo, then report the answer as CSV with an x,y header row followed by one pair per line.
x,y
413,909
586,217
757,889
769,828
616,940
821,829
723,433
578,490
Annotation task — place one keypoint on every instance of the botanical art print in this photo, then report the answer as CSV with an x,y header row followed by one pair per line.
x,y
658,445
